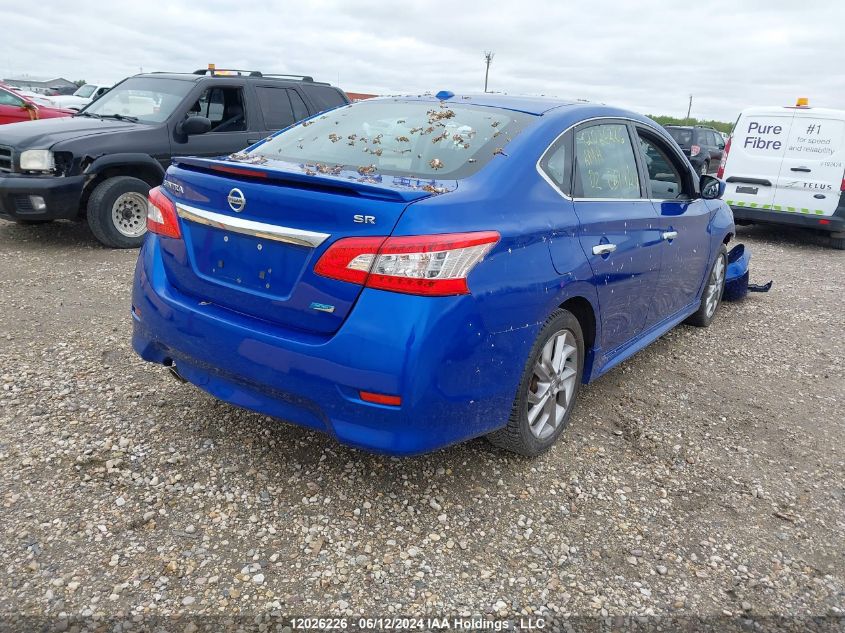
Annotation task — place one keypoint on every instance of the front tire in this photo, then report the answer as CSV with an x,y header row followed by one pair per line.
x,y
117,211
548,389
712,294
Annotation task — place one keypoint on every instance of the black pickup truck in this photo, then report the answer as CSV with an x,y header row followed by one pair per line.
x,y
101,163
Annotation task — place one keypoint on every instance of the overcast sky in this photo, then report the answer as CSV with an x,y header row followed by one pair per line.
x,y
646,55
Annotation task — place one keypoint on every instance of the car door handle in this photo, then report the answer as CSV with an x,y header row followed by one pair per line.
x,y
806,169
669,235
253,140
603,249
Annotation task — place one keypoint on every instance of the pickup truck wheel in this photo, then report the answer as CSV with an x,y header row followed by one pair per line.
x,y
711,296
117,211
548,389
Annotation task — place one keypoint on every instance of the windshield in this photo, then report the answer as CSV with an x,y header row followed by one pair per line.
x,y
418,139
147,99
683,137
85,91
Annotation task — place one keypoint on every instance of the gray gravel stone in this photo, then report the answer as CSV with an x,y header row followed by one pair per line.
x,y
667,494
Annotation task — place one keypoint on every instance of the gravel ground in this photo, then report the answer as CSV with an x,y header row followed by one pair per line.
x,y
702,481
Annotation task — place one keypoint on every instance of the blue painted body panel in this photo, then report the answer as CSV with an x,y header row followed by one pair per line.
x,y
455,361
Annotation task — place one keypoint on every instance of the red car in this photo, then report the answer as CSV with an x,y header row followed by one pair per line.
x,y
15,107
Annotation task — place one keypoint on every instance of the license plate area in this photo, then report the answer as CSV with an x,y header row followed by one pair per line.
x,y
254,264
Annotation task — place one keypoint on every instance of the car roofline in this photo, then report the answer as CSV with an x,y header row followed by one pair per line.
x,y
535,106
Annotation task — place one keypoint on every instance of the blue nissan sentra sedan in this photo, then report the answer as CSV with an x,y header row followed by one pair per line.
x,y
407,273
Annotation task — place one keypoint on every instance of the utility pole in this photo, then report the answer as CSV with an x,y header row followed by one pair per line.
x,y
488,58
689,109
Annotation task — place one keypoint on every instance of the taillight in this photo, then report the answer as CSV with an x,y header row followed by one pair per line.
x,y
161,214
695,150
380,398
433,265
720,173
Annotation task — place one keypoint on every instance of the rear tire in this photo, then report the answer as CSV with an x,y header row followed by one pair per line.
x,y
712,294
117,211
548,389
838,243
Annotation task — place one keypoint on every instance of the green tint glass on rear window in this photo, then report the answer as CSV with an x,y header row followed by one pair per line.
x,y
417,139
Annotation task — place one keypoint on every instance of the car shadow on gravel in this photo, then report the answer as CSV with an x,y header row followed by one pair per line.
x,y
784,235
61,233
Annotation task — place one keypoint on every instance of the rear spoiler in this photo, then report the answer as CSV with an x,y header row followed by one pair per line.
x,y
345,182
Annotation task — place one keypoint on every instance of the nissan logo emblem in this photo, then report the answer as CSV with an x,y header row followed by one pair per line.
x,y
236,200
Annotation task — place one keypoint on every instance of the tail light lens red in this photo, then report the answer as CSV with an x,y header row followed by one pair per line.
x,y
720,173
432,265
380,398
695,150
161,214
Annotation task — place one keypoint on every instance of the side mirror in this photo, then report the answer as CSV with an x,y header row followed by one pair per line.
x,y
711,188
29,106
721,145
193,126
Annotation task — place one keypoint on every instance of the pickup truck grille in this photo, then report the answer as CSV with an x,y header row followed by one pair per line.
x,y
5,159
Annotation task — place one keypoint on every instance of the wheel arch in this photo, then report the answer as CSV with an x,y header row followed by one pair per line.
x,y
141,166
586,312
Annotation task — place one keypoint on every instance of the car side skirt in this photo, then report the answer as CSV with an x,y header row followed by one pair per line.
x,y
643,340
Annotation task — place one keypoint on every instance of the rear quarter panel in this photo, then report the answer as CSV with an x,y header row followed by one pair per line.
x,y
516,287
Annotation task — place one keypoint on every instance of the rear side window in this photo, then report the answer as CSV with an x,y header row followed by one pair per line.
x,y
605,166
299,110
418,139
275,106
324,97
556,163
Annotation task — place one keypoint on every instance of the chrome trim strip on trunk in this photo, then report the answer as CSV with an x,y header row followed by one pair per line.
x,y
285,234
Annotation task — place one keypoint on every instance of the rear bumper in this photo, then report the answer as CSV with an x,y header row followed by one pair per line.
x,y
60,195
830,223
456,380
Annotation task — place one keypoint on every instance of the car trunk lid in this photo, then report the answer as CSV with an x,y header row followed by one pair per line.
x,y
252,235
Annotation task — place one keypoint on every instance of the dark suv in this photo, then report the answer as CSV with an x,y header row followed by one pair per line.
x,y
101,163
703,146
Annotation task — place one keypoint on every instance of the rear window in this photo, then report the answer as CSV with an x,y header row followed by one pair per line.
x,y
324,97
418,139
682,137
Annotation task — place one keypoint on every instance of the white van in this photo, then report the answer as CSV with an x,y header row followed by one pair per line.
x,y
786,165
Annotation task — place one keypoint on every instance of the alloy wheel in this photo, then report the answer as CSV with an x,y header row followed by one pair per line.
x,y
552,384
714,288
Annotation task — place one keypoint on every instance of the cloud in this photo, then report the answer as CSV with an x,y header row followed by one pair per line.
x,y
648,56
